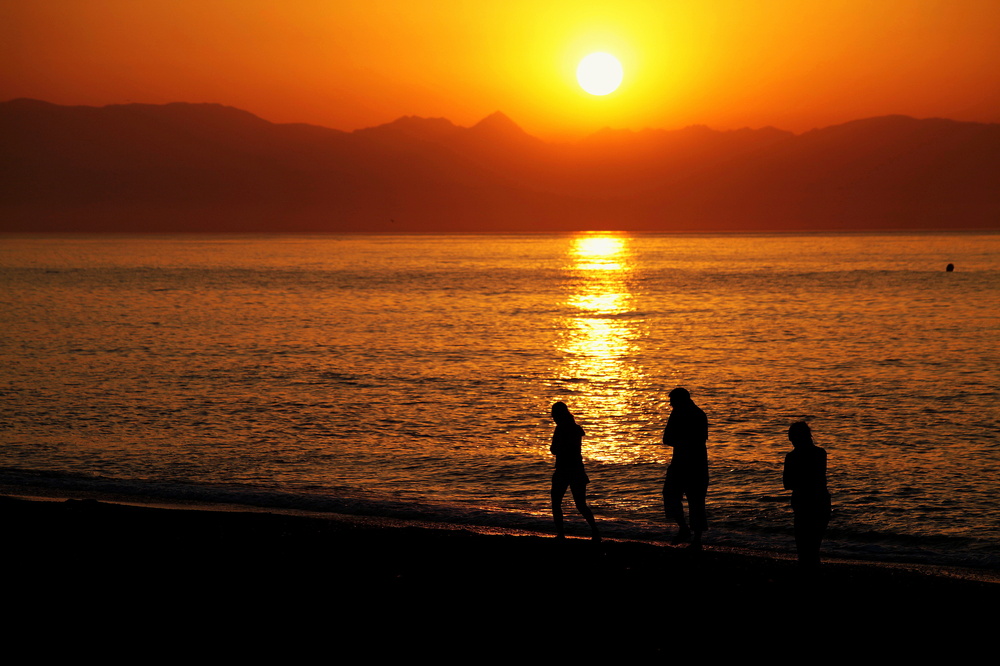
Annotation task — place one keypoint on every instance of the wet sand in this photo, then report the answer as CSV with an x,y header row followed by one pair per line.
x,y
98,562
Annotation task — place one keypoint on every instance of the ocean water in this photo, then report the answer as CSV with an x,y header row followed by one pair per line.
x,y
412,376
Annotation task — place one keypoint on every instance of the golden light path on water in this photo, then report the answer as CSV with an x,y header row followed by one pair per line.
x,y
599,344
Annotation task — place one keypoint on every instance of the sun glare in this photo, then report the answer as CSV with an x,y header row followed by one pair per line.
x,y
599,252
599,73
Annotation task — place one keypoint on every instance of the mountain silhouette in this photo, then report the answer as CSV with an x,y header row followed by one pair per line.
x,y
207,167
498,127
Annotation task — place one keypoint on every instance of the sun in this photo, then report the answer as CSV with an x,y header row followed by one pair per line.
x,y
599,73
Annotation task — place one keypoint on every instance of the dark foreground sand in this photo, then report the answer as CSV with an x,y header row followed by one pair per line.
x,y
402,589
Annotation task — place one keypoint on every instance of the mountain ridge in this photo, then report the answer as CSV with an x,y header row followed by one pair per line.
x,y
210,167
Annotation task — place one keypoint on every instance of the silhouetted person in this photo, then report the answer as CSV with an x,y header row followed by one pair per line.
x,y
566,447
950,267
687,474
805,476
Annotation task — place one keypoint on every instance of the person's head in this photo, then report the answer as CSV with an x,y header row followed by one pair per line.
x,y
799,434
679,396
561,413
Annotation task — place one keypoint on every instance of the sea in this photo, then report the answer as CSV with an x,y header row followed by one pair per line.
x,y
411,376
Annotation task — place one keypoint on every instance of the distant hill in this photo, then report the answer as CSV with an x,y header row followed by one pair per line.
x,y
206,167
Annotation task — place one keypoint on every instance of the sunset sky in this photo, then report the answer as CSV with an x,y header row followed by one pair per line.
x,y
723,63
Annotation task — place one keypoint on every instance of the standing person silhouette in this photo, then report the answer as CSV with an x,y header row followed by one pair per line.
x,y
687,474
566,446
805,476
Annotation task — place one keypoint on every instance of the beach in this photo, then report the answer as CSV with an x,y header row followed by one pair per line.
x,y
413,376
146,564
347,448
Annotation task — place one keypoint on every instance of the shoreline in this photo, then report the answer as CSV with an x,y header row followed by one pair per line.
x,y
77,512
51,494
397,587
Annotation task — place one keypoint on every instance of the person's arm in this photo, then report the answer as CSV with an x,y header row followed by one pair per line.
x,y
788,473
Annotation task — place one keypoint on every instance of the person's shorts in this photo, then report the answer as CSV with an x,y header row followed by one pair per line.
x,y
570,477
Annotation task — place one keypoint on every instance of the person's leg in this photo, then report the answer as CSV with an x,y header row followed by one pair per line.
x,y
696,494
808,536
579,489
559,485
673,493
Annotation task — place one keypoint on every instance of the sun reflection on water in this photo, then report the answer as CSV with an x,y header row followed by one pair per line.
x,y
600,253
599,343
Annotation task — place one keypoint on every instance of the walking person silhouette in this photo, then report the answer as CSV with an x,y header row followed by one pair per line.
x,y
567,441
805,476
687,474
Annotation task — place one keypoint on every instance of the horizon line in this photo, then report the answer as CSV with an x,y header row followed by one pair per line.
x,y
404,116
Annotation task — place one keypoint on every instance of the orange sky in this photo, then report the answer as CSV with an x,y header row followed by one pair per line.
x,y
724,63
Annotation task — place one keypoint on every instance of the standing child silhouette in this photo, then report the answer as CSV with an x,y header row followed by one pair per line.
x,y
805,476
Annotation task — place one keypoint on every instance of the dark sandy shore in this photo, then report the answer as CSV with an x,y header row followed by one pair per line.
x,y
88,562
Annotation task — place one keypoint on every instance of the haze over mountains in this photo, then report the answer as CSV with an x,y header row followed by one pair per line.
x,y
206,167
